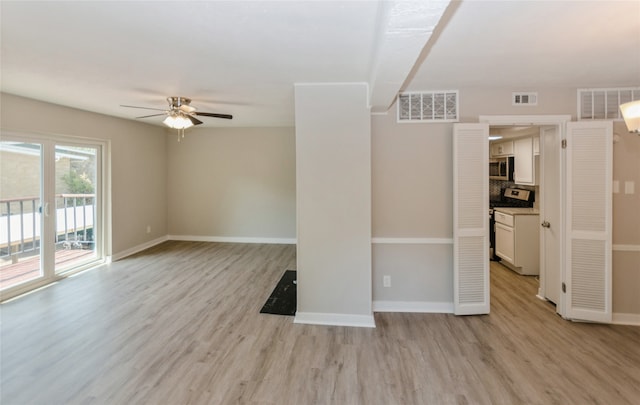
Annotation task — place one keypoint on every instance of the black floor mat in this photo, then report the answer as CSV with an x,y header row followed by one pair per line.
x,y
283,299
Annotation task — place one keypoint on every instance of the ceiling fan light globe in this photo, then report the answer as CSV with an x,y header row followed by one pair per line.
x,y
177,122
631,114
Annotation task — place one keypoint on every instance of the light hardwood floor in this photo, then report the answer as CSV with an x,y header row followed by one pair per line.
x,y
180,324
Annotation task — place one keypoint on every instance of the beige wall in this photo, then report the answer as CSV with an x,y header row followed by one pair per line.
x,y
232,183
412,197
411,182
138,155
626,222
412,179
250,185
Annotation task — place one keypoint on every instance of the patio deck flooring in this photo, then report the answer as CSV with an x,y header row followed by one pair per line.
x,y
28,268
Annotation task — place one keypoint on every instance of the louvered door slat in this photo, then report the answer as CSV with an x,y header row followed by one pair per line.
x,y
589,177
470,222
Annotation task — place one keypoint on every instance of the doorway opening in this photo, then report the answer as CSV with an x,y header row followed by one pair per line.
x,y
531,233
583,225
520,241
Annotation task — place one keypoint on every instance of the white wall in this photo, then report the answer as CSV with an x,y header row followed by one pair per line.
x,y
138,154
234,184
333,169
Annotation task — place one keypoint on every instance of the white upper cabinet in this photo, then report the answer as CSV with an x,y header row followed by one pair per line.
x,y
502,149
524,170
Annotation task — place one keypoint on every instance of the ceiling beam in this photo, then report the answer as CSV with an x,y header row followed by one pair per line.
x,y
404,28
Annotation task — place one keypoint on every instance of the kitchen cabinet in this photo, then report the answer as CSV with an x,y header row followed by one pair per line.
x,y
517,239
524,170
501,149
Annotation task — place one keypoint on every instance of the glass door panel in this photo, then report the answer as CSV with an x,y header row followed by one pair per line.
x,y
76,206
20,213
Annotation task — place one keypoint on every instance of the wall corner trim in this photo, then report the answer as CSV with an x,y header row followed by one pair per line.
x,y
413,306
138,248
625,319
316,318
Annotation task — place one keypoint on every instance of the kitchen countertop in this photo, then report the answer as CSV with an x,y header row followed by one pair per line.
x,y
518,211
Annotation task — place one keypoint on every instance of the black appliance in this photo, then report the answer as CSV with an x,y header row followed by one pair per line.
x,y
501,168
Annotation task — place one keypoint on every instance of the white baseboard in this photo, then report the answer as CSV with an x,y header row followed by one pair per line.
x,y
234,239
315,318
413,306
139,248
625,319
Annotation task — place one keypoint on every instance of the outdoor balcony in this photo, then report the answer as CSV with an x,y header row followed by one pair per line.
x,y
20,236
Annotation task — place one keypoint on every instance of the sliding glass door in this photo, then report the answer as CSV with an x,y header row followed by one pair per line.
x,y
51,210
76,205
20,213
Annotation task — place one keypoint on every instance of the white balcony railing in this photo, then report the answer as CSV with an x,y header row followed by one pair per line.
x,y
20,223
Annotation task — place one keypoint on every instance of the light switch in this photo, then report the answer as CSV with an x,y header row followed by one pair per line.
x,y
616,187
629,187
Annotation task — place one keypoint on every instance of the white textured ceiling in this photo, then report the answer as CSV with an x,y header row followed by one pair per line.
x,y
242,57
534,44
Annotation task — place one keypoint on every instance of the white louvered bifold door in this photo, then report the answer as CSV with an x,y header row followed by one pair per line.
x,y
588,221
471,218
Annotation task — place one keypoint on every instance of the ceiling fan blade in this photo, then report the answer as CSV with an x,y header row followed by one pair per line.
x,y
144,108
194,120
152,115
187,108
214,115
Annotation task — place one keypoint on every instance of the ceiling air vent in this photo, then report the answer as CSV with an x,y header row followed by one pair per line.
x,y
524,98
428,106
603,104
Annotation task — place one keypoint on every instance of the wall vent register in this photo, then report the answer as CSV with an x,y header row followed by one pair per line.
x,y
603,104
431,106
530,98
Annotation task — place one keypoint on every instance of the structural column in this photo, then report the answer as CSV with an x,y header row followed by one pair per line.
x,y
333,187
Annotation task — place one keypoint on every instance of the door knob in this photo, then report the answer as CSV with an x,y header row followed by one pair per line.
x,y
545,224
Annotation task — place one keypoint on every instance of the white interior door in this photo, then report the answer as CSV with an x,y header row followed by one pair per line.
x,y
589,154
470,218
550,214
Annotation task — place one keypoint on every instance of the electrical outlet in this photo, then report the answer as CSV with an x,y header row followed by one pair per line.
x,y
148,228
629,187
386,281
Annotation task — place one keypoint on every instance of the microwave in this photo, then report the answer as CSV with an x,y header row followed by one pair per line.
x,y
501,168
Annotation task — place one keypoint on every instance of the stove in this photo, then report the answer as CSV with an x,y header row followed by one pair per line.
x,y
511,197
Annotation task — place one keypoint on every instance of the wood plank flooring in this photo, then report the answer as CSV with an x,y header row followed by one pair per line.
x,y
180,324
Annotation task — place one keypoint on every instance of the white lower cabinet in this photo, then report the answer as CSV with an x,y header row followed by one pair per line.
x,y
505,244
517,242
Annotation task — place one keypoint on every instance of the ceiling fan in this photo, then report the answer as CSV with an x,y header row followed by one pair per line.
x,y
180,115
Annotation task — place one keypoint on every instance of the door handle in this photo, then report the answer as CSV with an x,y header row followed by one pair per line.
x,y
46,209
545,224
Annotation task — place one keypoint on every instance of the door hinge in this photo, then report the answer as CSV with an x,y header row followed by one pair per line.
x,y
564,288
564,144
